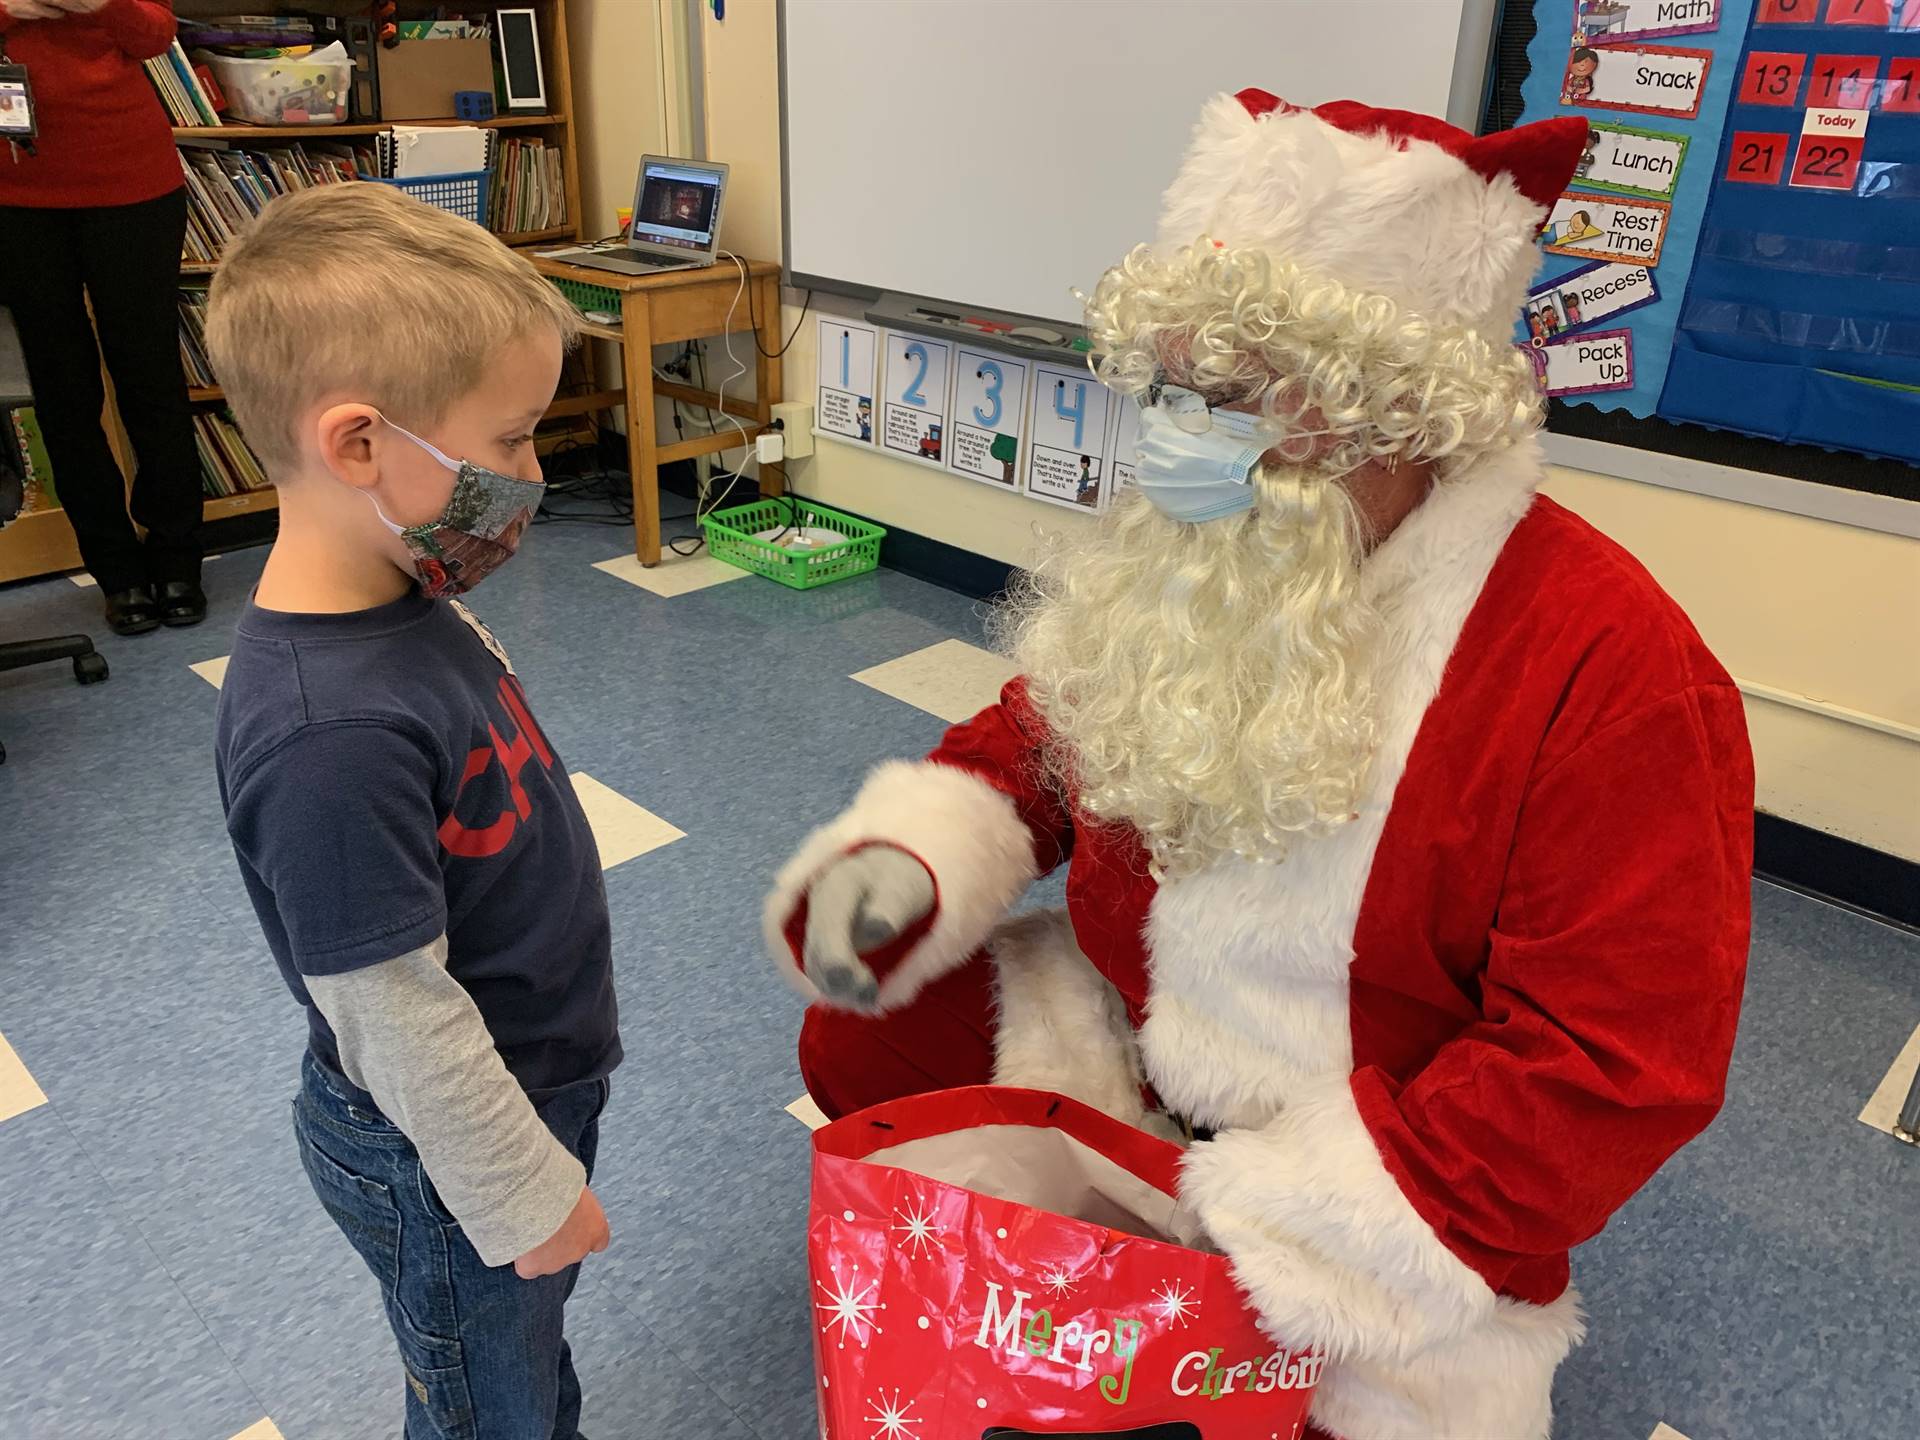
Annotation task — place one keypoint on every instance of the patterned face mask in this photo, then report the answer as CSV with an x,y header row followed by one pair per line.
x,y
478,531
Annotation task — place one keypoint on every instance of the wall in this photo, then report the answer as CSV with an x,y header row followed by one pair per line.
x,y
1813,609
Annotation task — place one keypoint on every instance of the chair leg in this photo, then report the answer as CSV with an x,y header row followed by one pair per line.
x,y
1907,1127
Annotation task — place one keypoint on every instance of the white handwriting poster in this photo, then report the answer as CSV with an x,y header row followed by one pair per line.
x,y
846,352
1067,430
914,416
989,397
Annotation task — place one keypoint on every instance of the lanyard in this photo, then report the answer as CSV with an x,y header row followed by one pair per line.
x,y
17,124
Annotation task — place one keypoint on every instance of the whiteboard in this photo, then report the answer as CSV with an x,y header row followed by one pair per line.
x,y
997,153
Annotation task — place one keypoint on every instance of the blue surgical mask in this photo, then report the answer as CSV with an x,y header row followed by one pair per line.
x,y
1196,464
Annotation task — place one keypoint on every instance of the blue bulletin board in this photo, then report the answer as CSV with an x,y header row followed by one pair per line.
x,y
1567,26
1801,320
1741,247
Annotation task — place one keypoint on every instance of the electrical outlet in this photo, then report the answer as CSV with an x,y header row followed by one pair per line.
x,y
796,427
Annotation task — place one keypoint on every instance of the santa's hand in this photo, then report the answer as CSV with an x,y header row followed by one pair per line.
x,y
856,905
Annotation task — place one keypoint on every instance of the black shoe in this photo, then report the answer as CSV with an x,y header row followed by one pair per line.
x,y
133,612
182,602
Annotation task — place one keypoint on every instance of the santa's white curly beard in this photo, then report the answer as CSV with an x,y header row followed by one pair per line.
x,y
1208,684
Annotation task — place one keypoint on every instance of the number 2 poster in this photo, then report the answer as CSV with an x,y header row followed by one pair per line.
x,y
1067,429
914,422
846,354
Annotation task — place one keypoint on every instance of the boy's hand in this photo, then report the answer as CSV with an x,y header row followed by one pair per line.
x,y
584,1233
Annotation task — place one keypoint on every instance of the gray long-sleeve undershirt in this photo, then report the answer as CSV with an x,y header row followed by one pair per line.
x,y
412,1038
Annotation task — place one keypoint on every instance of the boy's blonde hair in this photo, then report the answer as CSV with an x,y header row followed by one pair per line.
x,y
356,290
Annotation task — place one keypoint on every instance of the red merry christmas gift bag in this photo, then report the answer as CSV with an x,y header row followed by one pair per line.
x,y
1007,1263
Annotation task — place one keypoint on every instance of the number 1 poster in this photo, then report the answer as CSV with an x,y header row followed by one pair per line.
x,y
1067,430
846,354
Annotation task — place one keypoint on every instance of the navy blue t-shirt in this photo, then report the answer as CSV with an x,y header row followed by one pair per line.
x,y
385,782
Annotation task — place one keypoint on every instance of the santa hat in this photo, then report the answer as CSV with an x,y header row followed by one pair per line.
x,y
1386,201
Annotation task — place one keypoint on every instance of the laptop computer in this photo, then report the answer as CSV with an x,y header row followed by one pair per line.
x,y
676,219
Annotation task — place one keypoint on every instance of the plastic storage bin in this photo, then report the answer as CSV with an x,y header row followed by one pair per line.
x,y
309,90
731,537
465,195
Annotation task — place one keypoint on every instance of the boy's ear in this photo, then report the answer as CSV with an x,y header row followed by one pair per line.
x,y
349,439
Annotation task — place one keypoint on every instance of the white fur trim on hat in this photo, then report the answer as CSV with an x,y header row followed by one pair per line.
x,y
1401,218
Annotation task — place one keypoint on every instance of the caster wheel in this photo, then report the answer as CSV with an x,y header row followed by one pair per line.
x,y
90,669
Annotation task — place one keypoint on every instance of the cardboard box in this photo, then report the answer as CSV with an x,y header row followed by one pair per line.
x,y
418,78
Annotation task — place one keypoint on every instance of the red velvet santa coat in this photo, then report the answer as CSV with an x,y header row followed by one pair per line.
x,y
1442,1044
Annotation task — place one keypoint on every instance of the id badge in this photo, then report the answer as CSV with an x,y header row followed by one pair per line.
x,y
16,104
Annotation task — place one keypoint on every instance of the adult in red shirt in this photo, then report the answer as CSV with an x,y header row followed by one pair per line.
x,y
96,214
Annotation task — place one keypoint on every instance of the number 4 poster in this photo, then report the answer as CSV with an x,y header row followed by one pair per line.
x,y
1067,426
915,420
846,353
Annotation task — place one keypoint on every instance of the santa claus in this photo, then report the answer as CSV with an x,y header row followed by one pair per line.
x,y
1408,821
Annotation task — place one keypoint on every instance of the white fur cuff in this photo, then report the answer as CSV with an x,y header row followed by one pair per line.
x,y
1321,1237
964,831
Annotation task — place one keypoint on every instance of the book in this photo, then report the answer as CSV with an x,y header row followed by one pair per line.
x,y
194,361
528,189
182,93
227,465
227,185
36,468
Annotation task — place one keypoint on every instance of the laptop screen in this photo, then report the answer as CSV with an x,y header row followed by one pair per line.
x,y
678,205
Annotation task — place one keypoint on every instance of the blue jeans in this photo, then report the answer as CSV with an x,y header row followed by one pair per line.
x,y
484,1352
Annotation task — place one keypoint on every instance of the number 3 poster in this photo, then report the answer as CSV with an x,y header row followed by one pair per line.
x,y
1067,423
989,398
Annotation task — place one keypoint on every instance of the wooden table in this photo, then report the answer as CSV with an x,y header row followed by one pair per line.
x,y
664,310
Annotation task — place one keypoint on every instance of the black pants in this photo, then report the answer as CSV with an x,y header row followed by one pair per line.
x,y
126,259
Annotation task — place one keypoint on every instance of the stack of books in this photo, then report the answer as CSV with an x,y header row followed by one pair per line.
x,y
193,337
227,187
529,188
227,466
191,96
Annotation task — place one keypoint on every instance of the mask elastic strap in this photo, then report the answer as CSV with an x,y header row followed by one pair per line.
x,y
432,449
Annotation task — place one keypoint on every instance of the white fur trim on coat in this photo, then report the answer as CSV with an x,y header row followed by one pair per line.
x,y
1059,1025
966,832
1332,1254
1415,224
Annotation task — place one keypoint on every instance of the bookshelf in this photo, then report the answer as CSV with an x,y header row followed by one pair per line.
x,y
42,543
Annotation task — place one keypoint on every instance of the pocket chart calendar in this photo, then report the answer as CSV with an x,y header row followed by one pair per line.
x,y
914,415
989,400
1067,424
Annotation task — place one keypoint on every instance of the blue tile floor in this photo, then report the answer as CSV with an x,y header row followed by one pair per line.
x,y
166,1275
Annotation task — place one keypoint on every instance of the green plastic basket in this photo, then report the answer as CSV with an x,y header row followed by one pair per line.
x,y
730,537
586,297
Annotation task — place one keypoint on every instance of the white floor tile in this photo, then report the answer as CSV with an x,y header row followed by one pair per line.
x,y
83,580
260,1430
807,1113
953,679
214,671
1884,1108
18,1092
1664,1431
621,828
675,574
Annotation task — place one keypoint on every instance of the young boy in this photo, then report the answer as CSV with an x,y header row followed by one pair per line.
x,y
424,874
